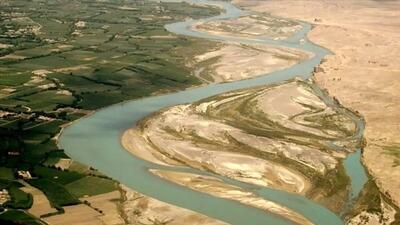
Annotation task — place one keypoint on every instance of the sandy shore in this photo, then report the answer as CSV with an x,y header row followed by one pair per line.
x,y
272,136
254,25
218,188
233,61
140,209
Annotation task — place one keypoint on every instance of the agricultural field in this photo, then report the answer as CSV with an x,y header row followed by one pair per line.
x,y
59,61
17,216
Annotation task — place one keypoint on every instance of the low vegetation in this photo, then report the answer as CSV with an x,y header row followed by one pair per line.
x,y
15,217
394,150
57,194
91,185
18,199
80,56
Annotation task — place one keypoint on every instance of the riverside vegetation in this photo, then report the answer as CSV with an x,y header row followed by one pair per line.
x,y
57,68
59,60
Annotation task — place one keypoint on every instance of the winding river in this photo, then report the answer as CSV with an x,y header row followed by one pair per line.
x,y
95,140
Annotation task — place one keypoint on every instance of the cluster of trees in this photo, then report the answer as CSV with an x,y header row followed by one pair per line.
x,y
9,140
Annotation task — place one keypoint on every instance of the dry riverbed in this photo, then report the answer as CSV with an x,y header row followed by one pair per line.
x,y
140,209
246,135
218,188
255,25
231,62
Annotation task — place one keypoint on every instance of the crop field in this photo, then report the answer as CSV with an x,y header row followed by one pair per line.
x,y
59,60
101,49
90,186
19,199
57,194
19,217
6,173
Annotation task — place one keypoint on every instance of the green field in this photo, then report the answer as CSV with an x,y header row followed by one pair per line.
x,y
19,199
6,173
64,59
91,186
116,55
17,216
57,194
58,176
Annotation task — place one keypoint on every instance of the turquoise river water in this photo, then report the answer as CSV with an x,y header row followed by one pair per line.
x,y
95,140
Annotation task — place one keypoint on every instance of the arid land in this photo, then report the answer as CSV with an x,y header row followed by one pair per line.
x,y
137,208
218,188
246,135
251,26
232,61
363,72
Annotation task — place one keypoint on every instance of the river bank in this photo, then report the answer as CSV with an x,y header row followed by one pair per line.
x,y
99,134
275,136
137,208
362,75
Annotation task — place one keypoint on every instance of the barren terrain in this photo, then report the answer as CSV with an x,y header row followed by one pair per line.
x,y
218,188
230,62
141,209
251,26
363,73
246,135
